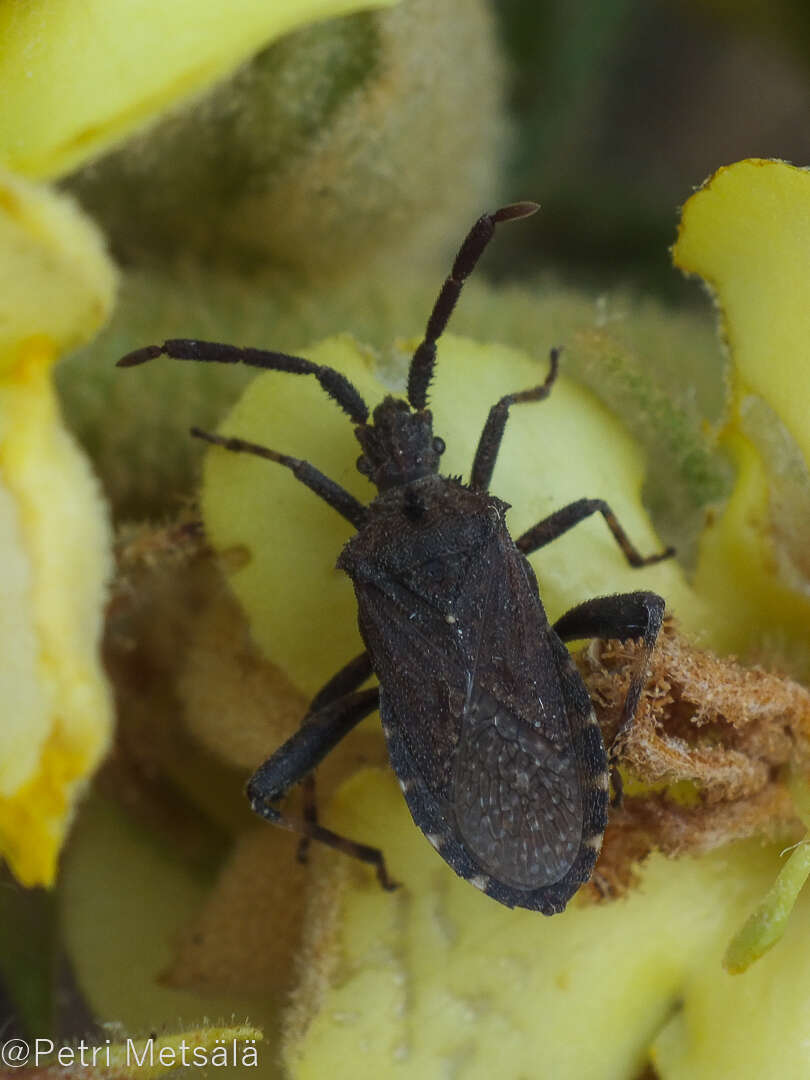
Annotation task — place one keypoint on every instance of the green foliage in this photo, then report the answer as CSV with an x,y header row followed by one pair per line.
x,y
343,143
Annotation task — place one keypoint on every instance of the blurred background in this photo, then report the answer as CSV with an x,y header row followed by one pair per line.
x,y
609,114
623,108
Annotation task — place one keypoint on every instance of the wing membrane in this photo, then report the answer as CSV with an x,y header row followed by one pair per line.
x,y
517,798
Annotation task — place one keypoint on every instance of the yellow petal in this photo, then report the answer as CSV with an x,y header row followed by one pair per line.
x,y
77,76
748,1026
56,287
55,278
747,233
437,979
124,899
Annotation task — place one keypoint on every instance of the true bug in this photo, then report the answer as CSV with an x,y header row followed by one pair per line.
x,y
489,726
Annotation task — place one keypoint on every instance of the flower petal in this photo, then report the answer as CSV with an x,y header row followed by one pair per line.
x,y
747,233
438,976
56,286
56,59
747,1027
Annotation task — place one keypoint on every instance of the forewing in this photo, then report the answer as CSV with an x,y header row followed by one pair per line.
x,y
518,787
421,668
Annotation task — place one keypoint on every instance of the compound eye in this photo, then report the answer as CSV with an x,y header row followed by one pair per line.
x,y
438,445
364,465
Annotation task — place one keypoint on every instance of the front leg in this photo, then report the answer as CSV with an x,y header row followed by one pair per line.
x,y
624,616
298,756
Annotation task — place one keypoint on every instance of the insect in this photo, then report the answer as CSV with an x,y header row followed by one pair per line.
x,y
489,726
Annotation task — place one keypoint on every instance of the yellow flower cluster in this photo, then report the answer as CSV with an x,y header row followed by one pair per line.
x,y
56,289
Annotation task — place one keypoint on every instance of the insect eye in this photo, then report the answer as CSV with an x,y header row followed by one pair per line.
x,y
438,445
363,465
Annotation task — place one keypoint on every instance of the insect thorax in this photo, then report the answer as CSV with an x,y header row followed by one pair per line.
x,y
412,525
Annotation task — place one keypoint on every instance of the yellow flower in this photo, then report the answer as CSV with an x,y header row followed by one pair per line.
x,y
56,288
747,233
56,59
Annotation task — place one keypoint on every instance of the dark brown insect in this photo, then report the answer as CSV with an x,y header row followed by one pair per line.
x,y
490,729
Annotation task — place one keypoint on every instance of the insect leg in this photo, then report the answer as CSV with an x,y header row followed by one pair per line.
x,y
490,442
348,679
337,386
299,755
337,497
471,250
562,520
624,616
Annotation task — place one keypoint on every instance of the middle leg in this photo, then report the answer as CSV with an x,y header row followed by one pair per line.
x,y
348,679
568,516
